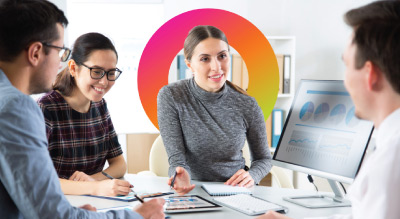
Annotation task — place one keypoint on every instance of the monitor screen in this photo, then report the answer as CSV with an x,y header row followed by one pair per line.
x,y
321,135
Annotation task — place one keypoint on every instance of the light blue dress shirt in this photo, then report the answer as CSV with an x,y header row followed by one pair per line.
x,y
29,185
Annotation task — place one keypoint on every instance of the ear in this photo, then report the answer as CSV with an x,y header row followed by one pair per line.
x,y
374,75
35,53
72,67
189,65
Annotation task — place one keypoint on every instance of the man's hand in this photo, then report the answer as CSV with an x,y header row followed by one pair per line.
x,y
152,209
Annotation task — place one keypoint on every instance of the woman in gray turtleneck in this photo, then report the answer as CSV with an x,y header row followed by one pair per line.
x,y
204,121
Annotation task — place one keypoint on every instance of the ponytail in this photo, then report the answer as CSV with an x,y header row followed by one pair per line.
x,y
237,88
64,83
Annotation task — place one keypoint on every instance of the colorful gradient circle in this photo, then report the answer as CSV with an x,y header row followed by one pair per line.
x,y
242,35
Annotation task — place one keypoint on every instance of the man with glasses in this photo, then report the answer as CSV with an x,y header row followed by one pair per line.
x,y
31,46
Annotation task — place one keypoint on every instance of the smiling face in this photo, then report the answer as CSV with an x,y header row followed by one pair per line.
x,y
210,64
95,89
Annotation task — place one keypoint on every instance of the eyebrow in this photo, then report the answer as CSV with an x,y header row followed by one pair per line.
x,y
96,66
223,51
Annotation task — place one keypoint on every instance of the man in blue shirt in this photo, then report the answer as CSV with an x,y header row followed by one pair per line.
x,y
31,46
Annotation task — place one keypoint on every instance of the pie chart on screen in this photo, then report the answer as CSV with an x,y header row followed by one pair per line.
x,y
321,113
337,114
306,111
351,119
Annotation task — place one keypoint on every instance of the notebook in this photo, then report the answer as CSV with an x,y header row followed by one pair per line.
x,y
221,189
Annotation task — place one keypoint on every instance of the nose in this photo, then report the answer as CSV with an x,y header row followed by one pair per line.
x,y
103,80
215,65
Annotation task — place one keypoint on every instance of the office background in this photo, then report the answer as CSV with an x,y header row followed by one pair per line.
x,y
317,26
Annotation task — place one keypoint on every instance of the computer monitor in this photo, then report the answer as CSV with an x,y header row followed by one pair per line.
x,y
322,137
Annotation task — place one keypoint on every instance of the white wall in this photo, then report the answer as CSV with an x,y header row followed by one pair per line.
x,y
318,26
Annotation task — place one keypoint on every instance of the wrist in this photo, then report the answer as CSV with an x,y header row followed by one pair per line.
x,y
95,187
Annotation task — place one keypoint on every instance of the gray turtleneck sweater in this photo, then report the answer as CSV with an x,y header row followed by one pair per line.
x,y
205,132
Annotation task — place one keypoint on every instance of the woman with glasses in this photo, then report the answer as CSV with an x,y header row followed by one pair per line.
x,y
79,129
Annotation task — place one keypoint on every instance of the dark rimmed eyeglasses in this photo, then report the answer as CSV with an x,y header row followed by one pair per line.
x,y
98,73
63,53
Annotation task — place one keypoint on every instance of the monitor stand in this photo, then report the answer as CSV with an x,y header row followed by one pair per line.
x,y
322,201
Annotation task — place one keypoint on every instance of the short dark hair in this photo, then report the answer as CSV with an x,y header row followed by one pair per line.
x,y
377,37
85,45
23,22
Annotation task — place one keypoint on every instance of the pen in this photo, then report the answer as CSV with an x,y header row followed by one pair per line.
x,y
173,180
106,174
138,198
110,177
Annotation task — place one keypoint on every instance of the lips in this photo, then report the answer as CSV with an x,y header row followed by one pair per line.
x,y
216,76
100,90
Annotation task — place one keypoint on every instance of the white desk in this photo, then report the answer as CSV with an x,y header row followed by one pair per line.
x,y
154,184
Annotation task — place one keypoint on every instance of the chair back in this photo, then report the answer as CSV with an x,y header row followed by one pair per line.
x,y
158,161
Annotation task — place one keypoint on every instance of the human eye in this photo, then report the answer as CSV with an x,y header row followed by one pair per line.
x,y
97,71
223,56
204,59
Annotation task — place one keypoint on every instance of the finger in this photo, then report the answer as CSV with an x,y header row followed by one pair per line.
x,y
123,190
230,180
249,184
72,177
160,201
244,181
234,177
240,178
78,177
122,183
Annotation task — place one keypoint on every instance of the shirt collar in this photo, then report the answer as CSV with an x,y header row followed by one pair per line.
x,y
389,127
205,95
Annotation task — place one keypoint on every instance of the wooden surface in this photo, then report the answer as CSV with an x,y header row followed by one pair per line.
x,y
138,150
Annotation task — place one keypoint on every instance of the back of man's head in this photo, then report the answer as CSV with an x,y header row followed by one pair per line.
x,y
23,22
377,37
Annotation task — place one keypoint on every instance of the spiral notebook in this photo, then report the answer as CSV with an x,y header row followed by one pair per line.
x,y
221,189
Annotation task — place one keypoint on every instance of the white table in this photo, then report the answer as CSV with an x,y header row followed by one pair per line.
x,y
159,184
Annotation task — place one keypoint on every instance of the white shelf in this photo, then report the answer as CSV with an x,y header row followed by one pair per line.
x,y
285,45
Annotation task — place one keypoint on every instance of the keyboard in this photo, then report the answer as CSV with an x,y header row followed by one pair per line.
x,y
249,204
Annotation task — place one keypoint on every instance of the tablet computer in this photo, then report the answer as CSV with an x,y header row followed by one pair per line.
x,y
188,203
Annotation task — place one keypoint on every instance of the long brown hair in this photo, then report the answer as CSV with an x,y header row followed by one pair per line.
x,y
83,47
200,33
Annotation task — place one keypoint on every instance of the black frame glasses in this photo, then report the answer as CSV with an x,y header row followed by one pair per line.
x,y
63,53
98,73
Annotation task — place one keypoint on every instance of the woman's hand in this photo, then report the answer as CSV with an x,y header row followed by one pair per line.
x,y
182,181
81,176
112,187
241,178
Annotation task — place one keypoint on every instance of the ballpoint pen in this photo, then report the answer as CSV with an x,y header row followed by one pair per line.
x,y
110,177
173,180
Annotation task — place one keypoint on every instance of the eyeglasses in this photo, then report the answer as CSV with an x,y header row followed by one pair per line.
x,y
63,53
98,73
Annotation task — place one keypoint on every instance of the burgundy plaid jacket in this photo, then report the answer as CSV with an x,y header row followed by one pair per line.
x,y
78,141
